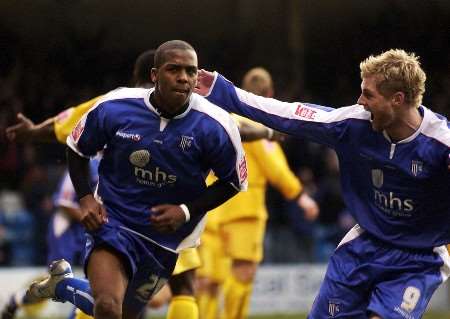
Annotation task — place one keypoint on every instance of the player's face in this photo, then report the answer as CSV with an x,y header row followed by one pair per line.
x,y
380,107
176,78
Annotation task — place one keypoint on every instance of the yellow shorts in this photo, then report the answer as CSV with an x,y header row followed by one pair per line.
x,y
215,264
187,260
237,239
244,238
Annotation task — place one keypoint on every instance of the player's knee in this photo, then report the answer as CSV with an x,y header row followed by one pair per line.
x,y
107,307
182,284
244,270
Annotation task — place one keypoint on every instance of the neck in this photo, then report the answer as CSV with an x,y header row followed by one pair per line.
x,y
407,123
163,109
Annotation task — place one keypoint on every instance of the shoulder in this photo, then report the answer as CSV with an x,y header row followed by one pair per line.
x,y
212,112
124,93
436,127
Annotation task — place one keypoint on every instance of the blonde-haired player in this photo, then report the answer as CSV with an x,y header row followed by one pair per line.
x,y
232,244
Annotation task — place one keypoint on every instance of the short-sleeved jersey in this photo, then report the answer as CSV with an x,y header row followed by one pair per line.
x,y
266,164
67,119
397,191
149,160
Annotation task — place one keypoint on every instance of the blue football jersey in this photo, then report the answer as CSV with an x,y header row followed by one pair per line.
x,y
397,191
150,160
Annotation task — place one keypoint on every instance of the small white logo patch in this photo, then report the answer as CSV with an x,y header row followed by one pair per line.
x,y
186,142
377,178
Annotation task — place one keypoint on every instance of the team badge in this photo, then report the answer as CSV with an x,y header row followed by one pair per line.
x,y
377,178
334,307
416,167
140,158
186,142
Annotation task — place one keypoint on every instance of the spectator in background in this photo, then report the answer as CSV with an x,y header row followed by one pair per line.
x,y
16,230
329,228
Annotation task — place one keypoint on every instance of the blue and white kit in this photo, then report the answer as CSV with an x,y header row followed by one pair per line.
x,y
66,238
398,192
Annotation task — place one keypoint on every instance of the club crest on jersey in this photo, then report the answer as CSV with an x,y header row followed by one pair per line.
x,y
334,307
377,178
140,158
186,142
416,167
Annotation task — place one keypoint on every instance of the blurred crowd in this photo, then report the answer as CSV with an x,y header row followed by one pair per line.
x,y
44,85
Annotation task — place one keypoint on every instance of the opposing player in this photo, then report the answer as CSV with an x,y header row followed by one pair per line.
x,y
235,231
394,161
158,146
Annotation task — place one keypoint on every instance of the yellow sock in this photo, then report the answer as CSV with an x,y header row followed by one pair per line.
x,y
81,315
183,307
211,311
202,302
236,296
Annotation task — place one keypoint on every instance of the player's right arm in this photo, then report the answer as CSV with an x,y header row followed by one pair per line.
x,y
321,124
86,139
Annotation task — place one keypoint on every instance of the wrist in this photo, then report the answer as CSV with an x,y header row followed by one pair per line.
x,y
269,133
186,212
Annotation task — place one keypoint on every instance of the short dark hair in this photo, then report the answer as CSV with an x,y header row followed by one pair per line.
x,y
160,54
142,67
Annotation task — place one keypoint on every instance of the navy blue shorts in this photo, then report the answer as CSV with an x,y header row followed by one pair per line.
x,y
365,275
149,265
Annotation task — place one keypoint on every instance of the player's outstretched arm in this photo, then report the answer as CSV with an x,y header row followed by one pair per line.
x,y
26,131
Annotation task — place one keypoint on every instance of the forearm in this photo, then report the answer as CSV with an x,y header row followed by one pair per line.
x,y
215,195
79,173
44,132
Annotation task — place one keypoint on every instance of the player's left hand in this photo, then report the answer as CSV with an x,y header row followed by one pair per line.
x,y
205,80
167,218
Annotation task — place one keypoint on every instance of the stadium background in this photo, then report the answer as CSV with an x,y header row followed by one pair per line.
x,y
57,53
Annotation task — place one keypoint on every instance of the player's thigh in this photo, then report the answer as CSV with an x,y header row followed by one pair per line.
x,y
405,296
244,238
107,274
182,283
215,265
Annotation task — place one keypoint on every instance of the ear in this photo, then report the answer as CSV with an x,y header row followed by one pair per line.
x,y
398,98
154,74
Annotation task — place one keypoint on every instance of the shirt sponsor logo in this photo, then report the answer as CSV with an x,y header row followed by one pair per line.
x,y
129,136
243,169
186,142
389,202
153,176
78,130
140,158
305,112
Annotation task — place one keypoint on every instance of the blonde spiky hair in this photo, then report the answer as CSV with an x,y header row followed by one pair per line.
x,y
398,71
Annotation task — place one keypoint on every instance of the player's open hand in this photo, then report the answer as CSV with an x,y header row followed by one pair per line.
x,y
205,80
309,206
167,218
93,214
22,131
